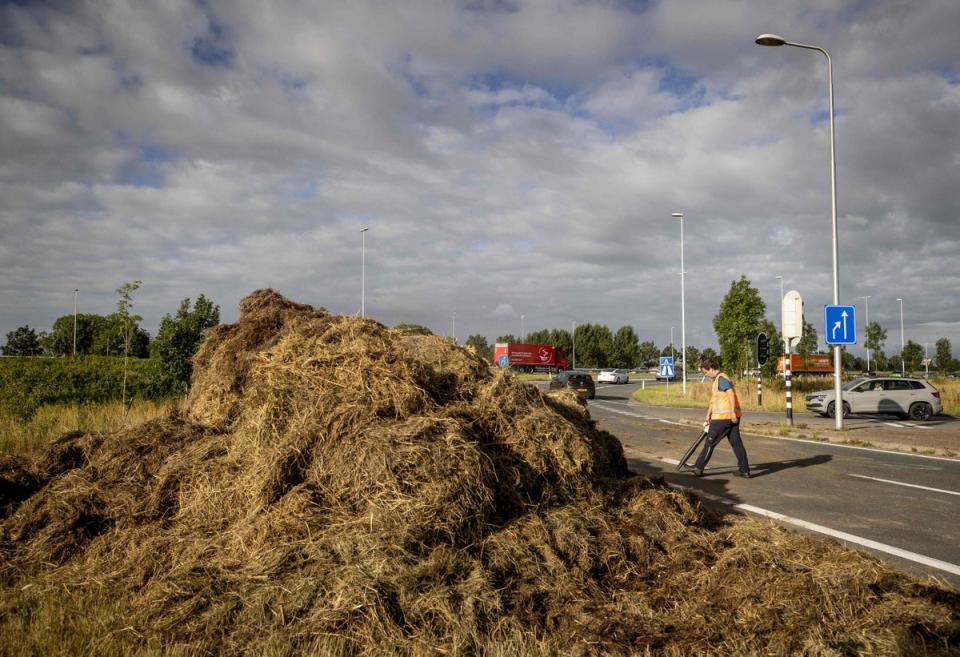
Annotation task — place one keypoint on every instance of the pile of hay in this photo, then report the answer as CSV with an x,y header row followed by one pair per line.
x,y
334,487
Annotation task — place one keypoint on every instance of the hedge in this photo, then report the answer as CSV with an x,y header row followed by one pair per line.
x,y
28,383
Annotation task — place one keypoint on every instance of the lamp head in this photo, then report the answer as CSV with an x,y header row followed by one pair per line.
x,y
365,229
677,215
770,40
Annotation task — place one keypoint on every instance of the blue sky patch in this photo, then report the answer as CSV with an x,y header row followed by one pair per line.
x,y
210,49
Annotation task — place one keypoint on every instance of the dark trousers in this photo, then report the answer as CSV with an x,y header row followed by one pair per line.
x,y
720,429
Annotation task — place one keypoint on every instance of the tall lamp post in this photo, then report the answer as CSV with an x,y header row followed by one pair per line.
x,y
783,339
903,367
776,40
573,337
363,270
866,325
683,314
76,291
523,331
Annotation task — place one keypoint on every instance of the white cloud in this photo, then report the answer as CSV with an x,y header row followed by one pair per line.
x,y
506,162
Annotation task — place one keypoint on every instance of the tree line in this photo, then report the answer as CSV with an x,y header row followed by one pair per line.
x,y
597,347
739,320
119,334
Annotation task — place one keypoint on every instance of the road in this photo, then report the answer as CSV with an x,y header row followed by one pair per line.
x,y
901,507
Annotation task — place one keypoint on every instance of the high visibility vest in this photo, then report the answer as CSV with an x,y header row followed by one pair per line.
x,y
720,402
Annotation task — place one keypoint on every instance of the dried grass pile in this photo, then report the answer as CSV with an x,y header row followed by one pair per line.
x,y
334,487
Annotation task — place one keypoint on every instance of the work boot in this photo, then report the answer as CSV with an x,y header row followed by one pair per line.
x,y
694,470
742,474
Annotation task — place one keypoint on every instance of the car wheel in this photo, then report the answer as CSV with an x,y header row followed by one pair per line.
x,y
832,409
920,411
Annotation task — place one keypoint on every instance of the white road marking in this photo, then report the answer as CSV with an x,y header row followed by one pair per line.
x,y
945,566
893,424
901,483
796,440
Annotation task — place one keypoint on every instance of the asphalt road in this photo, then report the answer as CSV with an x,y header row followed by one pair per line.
x,y
901,507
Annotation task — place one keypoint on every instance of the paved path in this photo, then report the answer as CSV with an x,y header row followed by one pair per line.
x,y
902,507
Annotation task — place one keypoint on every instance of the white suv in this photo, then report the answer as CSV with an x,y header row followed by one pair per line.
x,y
913,398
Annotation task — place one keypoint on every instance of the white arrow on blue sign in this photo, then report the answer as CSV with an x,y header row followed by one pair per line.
x,y
840,324
666,366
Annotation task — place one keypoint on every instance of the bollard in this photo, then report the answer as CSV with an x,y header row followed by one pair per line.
x,y
786,376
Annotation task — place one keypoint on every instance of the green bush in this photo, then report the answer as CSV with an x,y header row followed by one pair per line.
x,y
28,383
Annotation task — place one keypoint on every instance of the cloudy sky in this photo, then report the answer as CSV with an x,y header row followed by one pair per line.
x,y
510,157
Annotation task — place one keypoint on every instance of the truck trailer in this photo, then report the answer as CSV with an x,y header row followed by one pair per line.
x,y
812,364
530,357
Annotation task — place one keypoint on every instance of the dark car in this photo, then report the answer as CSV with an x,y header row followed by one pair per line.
x,y
579,382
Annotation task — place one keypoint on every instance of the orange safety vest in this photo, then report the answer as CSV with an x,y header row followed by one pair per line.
x,y
720,402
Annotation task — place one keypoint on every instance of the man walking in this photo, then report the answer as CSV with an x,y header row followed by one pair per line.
x,y
723,421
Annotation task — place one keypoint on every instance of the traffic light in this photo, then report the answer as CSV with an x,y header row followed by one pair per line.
x,y
763,348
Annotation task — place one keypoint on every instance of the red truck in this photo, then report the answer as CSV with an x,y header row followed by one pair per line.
x,y
530,357
813,364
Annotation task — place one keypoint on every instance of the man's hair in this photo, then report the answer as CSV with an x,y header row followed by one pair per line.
x,y
708,363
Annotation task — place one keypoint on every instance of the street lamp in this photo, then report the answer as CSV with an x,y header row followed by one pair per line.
x,y
903,367
454,327
76,291
523,331
683,315
573,337
780,278
363,271
866,325
776,40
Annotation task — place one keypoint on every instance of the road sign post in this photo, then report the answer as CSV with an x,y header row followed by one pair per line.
x,y
791,319
840,325
763,345
839,328
666,369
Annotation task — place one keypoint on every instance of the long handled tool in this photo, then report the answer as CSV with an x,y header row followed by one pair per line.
x,y
690,450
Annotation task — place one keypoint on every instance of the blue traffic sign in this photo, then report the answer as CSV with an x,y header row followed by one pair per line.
x,y
666,366
840,324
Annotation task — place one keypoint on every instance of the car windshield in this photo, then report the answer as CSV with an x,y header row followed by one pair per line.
x,y
850,385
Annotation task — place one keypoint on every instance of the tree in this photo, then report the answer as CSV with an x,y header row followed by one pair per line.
x,y
912,356
507,338
60,339
594,345
944,355
416,329
480,345
809,340
178,339
538,337
23,341
625,351
648,353
738,322
127,329
693,358
876,335
709,353
563,339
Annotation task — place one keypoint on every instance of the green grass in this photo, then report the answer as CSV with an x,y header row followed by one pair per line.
x,y
18,436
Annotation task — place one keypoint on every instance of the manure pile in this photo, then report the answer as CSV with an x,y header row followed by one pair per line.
x,y
334,487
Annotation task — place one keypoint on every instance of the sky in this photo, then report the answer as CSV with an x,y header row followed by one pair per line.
x,y
517,162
